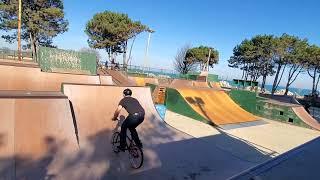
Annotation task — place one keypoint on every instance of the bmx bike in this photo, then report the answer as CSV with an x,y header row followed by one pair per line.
x,y
135,153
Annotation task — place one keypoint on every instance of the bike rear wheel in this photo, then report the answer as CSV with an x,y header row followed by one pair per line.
x,y
135,156
115,142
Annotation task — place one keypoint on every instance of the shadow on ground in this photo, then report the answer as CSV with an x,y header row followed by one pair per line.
x,y
169,154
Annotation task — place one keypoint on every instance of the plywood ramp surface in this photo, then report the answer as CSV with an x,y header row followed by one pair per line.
x,y
216,106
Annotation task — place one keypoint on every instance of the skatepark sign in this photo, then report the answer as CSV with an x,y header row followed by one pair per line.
x,y
66,61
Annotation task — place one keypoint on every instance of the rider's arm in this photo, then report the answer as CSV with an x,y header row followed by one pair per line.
x,y
117,112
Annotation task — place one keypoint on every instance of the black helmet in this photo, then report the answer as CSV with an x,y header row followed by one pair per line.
x,y
127,92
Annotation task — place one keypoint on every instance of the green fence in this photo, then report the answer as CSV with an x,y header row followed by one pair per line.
x,y
66,61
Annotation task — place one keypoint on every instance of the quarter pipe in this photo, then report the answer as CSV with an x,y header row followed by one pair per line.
x,y
215,106
37,135
169,153
46,136
306,117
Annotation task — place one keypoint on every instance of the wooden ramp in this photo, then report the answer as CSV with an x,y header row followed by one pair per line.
x,y
32,79
216,106
38,136
306,117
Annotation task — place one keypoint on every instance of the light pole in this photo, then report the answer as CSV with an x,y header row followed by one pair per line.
x,y
147,48
19,31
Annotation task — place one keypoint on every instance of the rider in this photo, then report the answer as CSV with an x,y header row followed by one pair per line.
x,y
135,117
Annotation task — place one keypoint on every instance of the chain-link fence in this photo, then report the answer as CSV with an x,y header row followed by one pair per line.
x,y
8,54
142,71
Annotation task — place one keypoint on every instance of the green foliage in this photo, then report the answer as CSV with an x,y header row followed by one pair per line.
x,y
111,31
253,57
313,66
200,55
180,64
41,21
268,55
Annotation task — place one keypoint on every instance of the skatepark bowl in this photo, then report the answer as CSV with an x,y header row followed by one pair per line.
x,y
69,138
48,134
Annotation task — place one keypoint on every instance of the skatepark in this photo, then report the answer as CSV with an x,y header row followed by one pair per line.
x,y
58,126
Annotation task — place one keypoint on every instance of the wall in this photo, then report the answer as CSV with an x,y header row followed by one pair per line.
x,y
260,107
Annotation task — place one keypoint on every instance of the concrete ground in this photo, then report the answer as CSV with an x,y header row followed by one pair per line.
x,y
269,137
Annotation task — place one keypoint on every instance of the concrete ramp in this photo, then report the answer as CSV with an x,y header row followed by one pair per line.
x,y
32,79
215,106
306,117
37,135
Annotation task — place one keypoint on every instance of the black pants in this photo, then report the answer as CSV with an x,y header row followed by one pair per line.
x,y
131,122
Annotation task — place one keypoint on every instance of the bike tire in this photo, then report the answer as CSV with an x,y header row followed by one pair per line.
x,y
135,156
115,142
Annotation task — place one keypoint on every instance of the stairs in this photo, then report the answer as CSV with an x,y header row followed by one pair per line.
x,y
159,95
118,77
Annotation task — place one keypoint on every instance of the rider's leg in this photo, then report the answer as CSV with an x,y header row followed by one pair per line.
x,y
135,121
135,137
123,132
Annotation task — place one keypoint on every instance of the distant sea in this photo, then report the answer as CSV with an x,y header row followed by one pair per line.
x,y
299,91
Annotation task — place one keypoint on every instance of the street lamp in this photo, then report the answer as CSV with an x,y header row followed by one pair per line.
x,y
150,31
19,31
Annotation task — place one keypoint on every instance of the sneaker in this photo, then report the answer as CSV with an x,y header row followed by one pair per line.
x,y
140,145
121,148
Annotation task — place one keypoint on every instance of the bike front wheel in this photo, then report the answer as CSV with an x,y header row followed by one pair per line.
x,y
135,156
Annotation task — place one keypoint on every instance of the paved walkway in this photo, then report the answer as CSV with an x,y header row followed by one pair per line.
x,y
271,137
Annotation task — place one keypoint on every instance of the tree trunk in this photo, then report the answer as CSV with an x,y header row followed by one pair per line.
x,y
125,55
291,77
243,71
33,47
276,79
129,58
264,78
314,81
316,88
287,88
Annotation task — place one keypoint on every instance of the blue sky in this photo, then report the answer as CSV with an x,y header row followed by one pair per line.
x,y
220,24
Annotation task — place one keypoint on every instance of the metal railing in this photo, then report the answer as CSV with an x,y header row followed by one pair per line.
x,y
145,71
315,113
8,54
